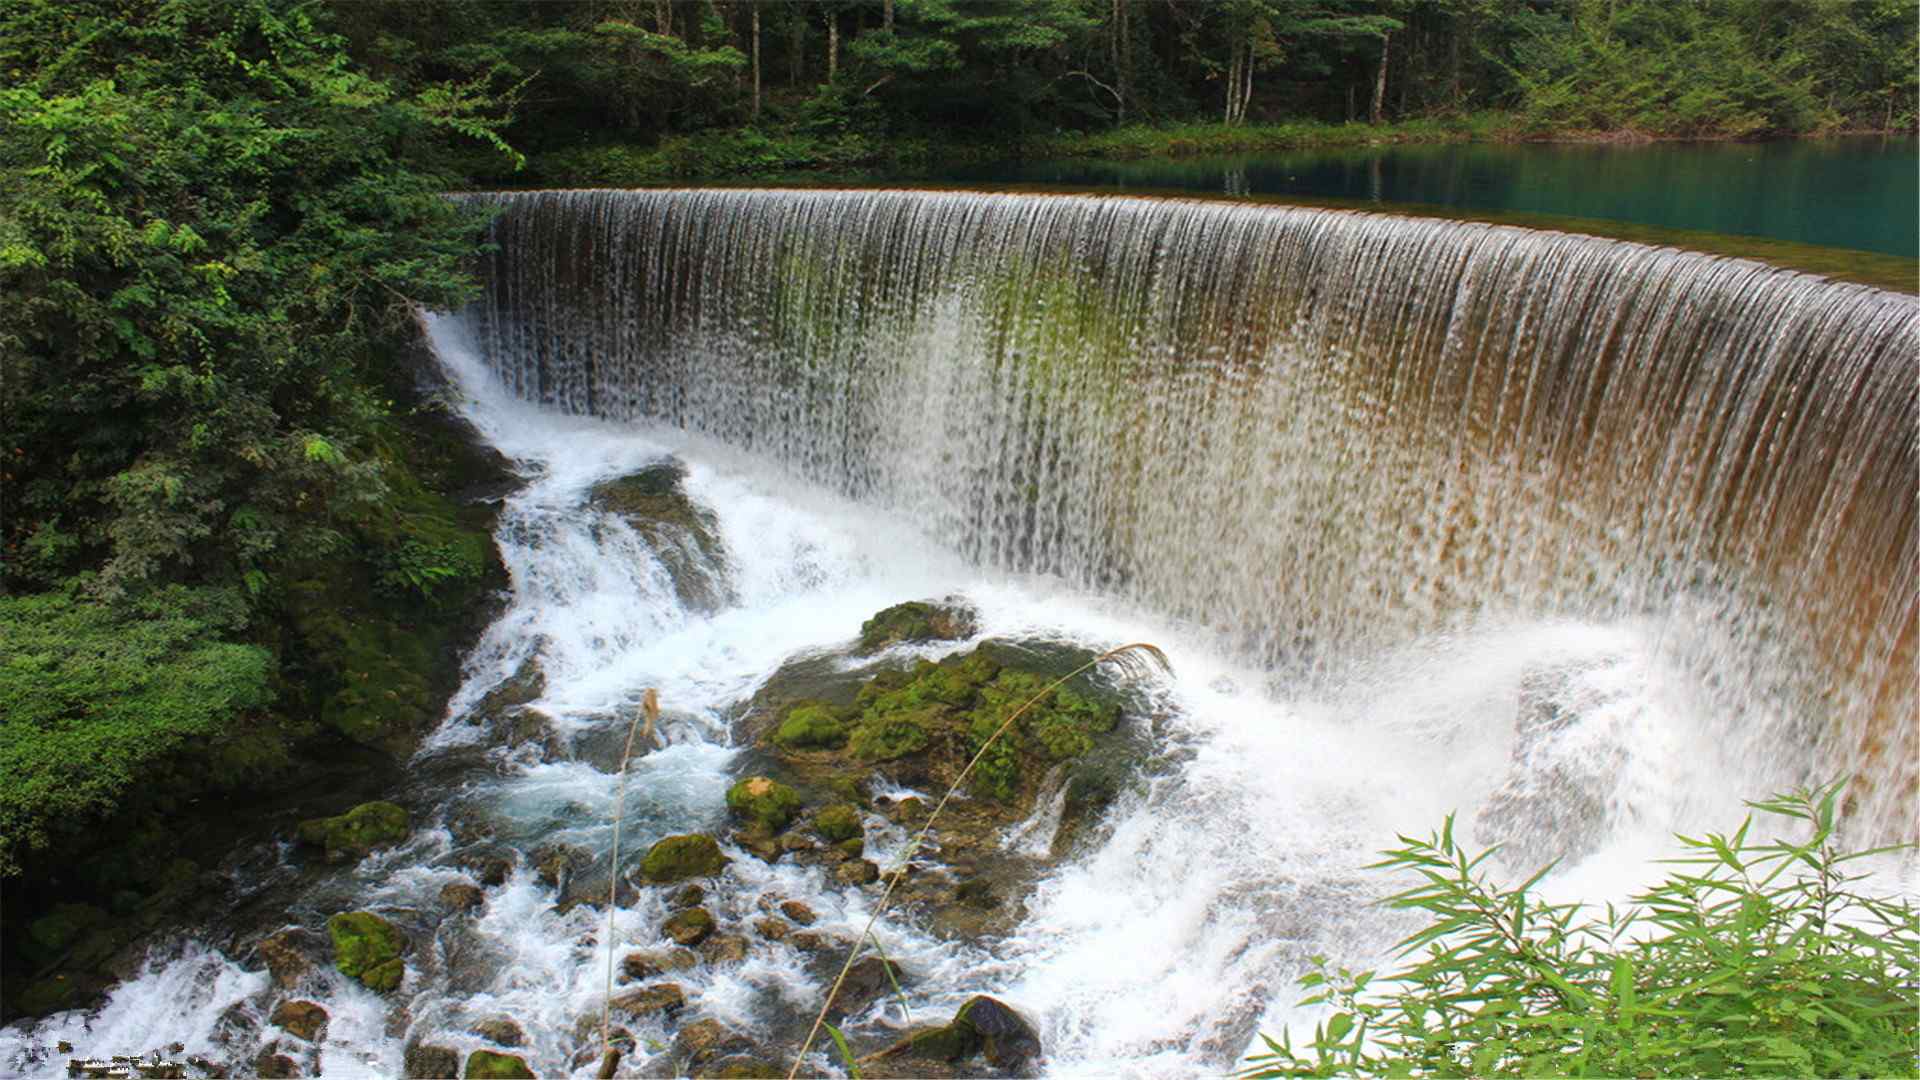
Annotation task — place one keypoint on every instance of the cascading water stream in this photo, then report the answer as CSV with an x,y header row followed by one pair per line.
x,y
1322,433
1381,488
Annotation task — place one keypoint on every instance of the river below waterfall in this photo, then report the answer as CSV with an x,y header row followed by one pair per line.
x,y
1158,953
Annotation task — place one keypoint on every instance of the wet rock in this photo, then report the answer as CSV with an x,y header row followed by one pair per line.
x,y
592,889
810,942
682,535
984,1026
527,684
764,802
500,1029
917,621
490,868
839,822
773,929
639,966
689,896
461,897
676,858
288,955
856,872
853,847
272,1066
356,832
689,927
664,998
793,843
487,1065
1556,798
1010,1043
760,844
798,912
302,1019
741,1067
911,810
724,949
367,947
555,864
867,981
704,1041
427,1062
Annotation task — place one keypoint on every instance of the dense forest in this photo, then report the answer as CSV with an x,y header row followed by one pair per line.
x,y
232,540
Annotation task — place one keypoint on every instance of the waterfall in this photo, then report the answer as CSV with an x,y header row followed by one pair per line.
x,y
1320,434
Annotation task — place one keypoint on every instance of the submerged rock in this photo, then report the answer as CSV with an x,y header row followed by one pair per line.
x,y
915,622
1556,798
676,858
356,832
984,1026
867,981
367,947
274,1066
461,897
705,1041
487,1065
288,955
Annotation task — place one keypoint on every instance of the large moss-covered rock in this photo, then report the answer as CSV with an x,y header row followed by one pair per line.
x,y
356,832
764,802
367,947
677,858
917,621
488,1065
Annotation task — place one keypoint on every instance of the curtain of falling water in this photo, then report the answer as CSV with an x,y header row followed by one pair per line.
x,y
1321,432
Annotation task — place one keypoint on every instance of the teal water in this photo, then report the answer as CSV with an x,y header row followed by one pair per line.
x,y
1861,192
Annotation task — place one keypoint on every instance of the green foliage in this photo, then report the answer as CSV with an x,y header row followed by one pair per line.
x,y
93,698
210,224
1750,959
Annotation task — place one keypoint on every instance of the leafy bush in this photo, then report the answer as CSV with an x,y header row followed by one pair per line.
x,y
92,699
1750,959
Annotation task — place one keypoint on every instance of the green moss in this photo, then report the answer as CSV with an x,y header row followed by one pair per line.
x,y
47,995
883,736
56,932
915,621
365,946
357,831
488,1065
676,858
384,976
811,725
764,802
838,823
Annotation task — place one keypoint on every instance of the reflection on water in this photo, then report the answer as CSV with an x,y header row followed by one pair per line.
x,y
1861,193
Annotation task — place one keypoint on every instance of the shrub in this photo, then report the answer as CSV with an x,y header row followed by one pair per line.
x,y
1750,959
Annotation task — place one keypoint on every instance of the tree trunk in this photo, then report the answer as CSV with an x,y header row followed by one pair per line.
x,y
663,16
1120,58
833,45
1378,113
756,63
1233,84
886,16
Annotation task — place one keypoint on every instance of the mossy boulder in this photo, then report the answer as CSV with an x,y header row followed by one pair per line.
x,y
839,822
764,802
917,621
50,936
677,858
488,1065
810,726
367,947
356,832
689,927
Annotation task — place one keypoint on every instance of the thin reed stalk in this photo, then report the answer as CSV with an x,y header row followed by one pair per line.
x,y
650,711
1136,658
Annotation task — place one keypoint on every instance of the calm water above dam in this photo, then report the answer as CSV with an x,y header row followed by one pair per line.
x,y
1861,193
